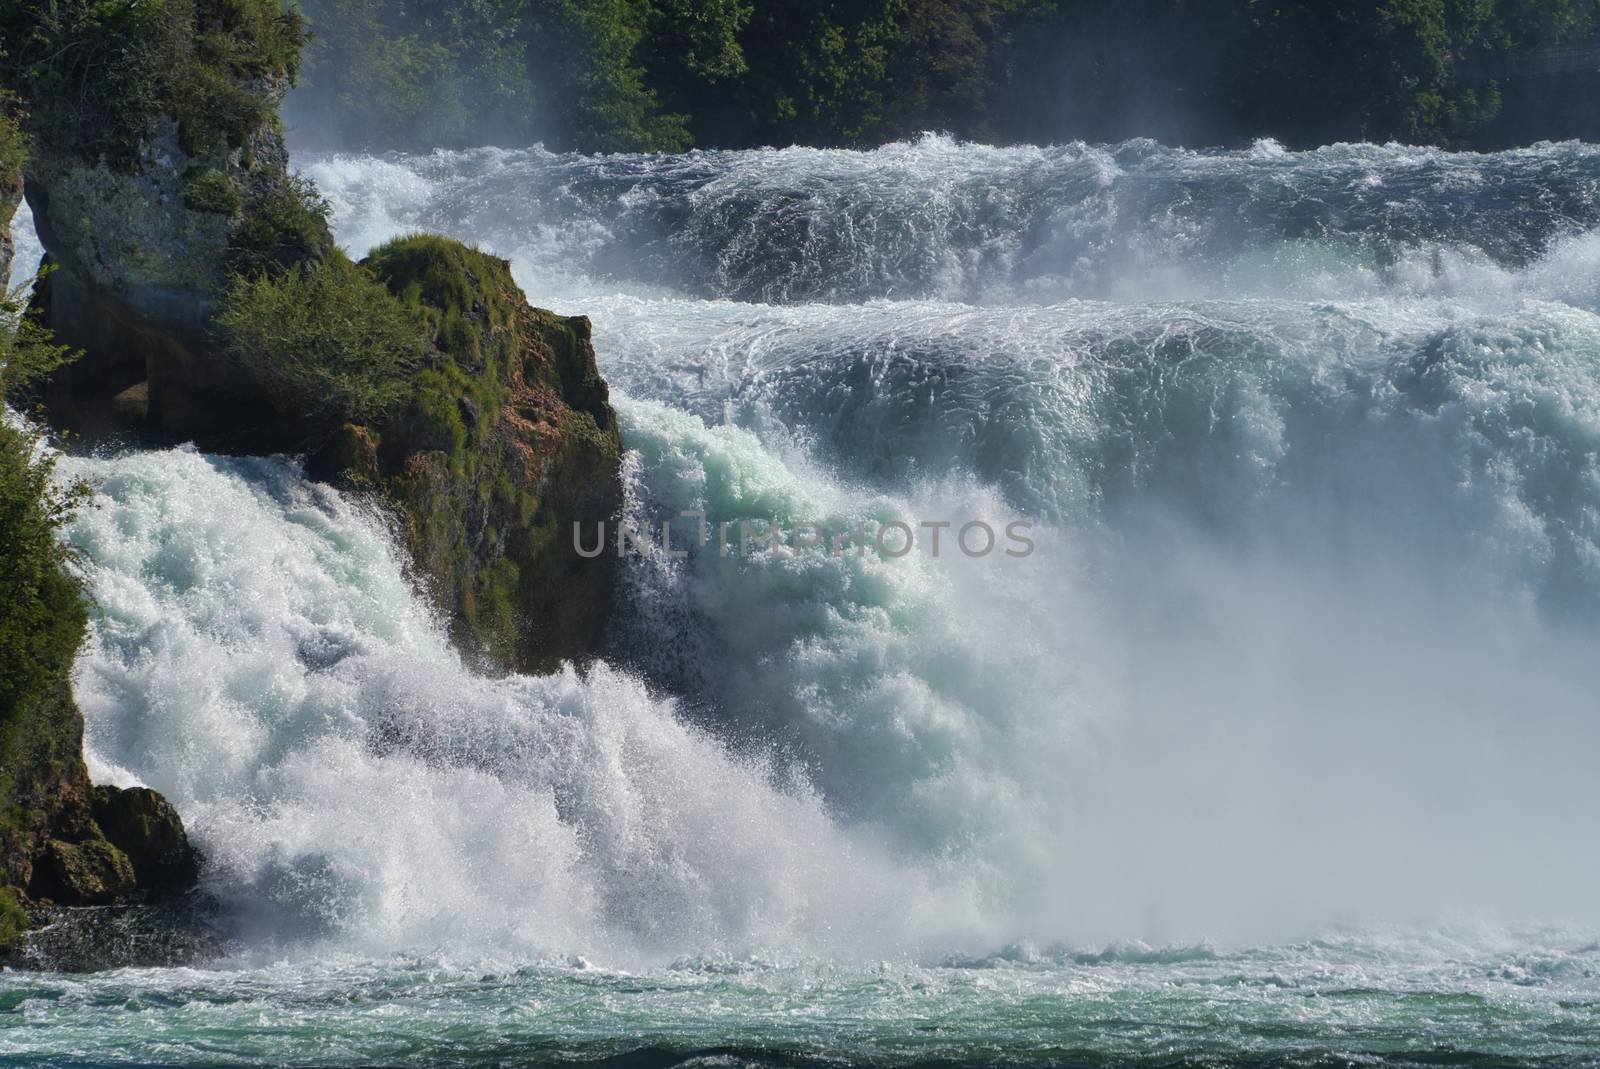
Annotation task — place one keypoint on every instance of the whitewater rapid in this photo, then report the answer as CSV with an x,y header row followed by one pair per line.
x,y
1308,444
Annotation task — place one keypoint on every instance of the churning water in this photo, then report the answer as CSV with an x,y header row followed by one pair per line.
x,y
1280,746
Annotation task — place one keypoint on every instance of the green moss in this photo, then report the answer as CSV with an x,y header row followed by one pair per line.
x,y
324,340
213,191
43,620
489,458
451,282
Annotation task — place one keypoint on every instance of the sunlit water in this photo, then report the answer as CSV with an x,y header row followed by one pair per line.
x,y
1278,747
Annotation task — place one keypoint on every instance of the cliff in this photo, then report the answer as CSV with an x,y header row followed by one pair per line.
x,y
199,278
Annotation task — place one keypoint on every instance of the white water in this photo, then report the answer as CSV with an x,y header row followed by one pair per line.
x,y
1308,638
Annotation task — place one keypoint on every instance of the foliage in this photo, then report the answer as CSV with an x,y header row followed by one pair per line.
x,y
325,340
28,351
213,191
99,75
450,75
43,622
592,91
285,224
13,148
600,75
13,919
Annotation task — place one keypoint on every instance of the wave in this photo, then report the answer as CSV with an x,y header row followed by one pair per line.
x,y
939,219
260,659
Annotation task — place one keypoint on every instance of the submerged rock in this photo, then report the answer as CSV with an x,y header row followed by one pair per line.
x,y
128,934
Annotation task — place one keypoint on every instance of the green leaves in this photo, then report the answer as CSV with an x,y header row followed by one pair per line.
x,y
97,75
326,340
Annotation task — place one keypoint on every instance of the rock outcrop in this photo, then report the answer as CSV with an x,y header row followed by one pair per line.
x,y
156,169
199,278
506,439
200,281
62,841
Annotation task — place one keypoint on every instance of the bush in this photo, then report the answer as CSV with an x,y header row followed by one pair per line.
x,y
12,150
325,340
213,191
43,620
285,224
98,76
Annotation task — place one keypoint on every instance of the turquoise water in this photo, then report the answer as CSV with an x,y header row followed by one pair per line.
x,y
1527,998
1279,749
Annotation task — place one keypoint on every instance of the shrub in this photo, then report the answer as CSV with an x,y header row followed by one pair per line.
x,y
43,620
325,340
285,224
28,351
213,191
100,75
12,146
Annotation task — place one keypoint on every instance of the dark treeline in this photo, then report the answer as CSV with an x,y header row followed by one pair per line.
x,y
618,75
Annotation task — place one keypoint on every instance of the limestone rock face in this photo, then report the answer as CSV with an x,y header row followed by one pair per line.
x,y
160,173
141,254
134,235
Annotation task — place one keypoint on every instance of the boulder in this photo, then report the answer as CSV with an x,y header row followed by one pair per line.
x,y
88,873
148,831
504,441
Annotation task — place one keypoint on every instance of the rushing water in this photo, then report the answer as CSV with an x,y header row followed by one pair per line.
x,y
1278,748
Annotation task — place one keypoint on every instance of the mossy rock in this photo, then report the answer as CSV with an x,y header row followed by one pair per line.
x,y
144,827
13,919
98,76
90,873
505,440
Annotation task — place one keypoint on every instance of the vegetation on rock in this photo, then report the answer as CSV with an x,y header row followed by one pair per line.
x,y
51,844
503,441
213,191
99,75
325,340
285,224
